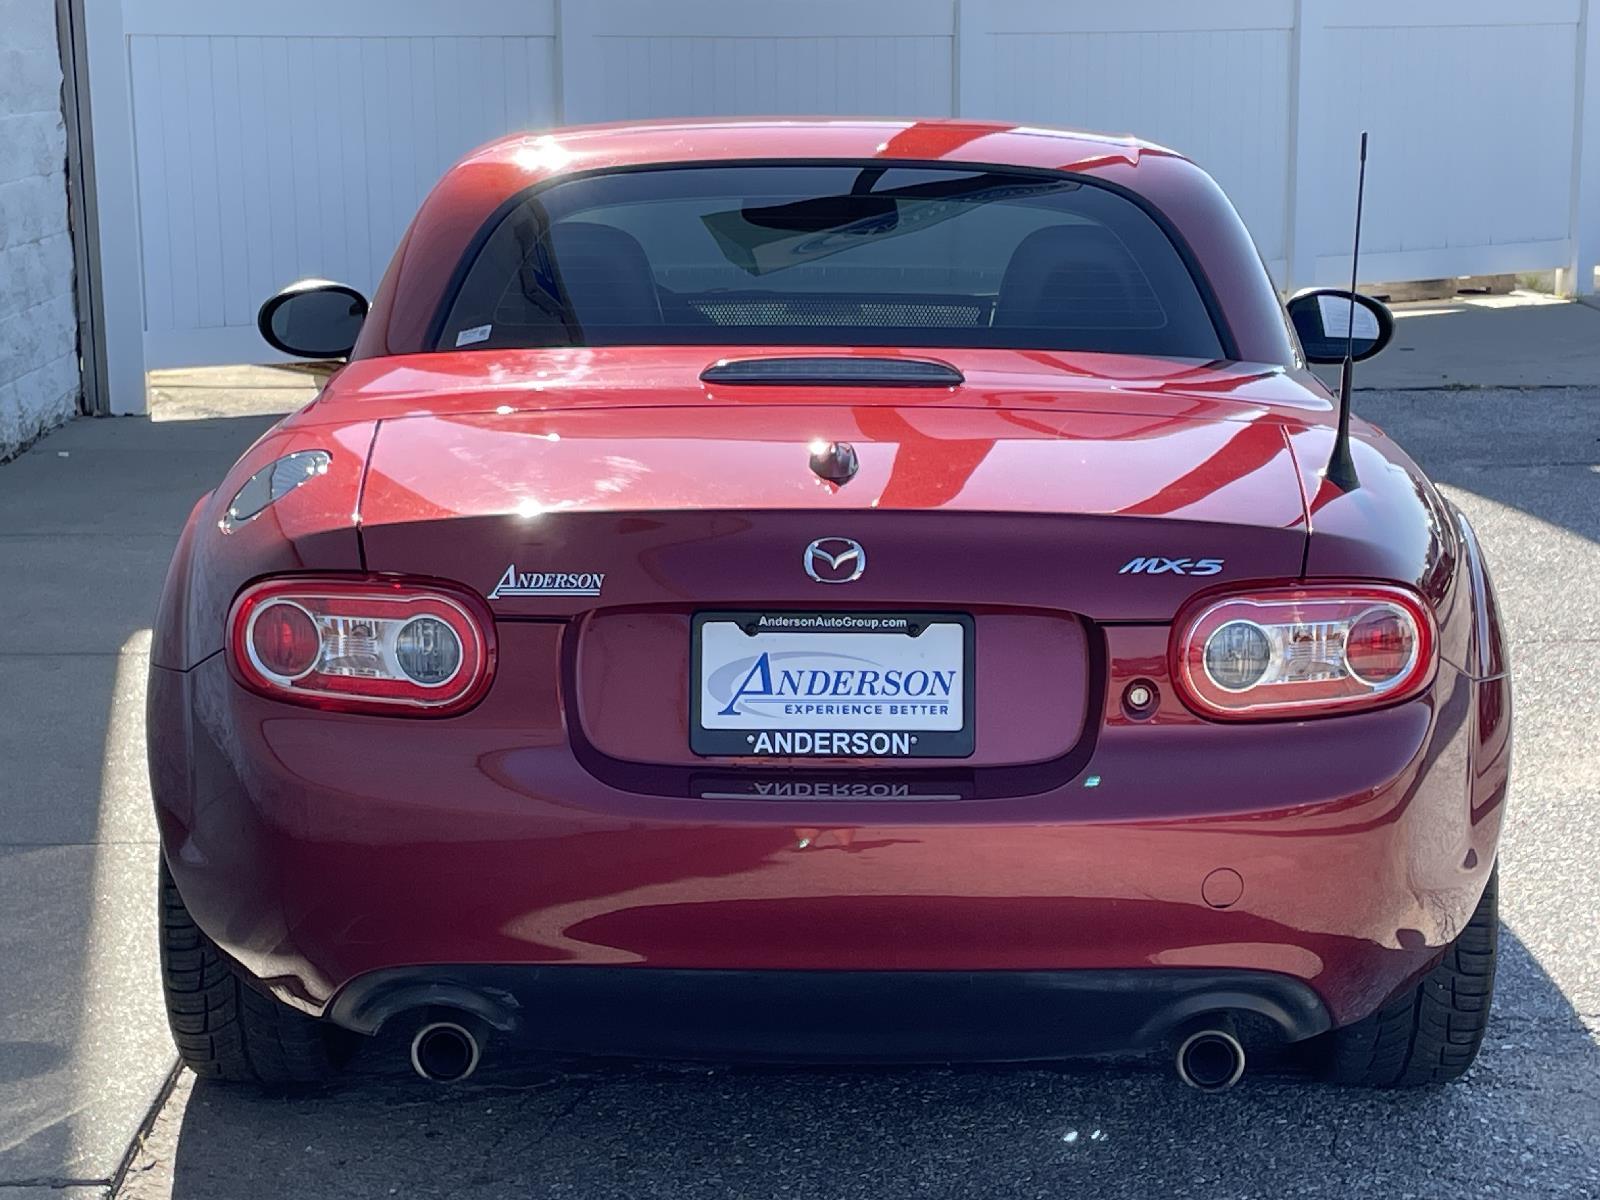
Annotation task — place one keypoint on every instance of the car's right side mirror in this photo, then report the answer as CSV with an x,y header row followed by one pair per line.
x,y
1327,319
314,318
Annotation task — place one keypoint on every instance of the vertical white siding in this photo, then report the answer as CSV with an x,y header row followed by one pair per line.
x,y
280,140
261,159
1213,84
639,76
1470,168
626,59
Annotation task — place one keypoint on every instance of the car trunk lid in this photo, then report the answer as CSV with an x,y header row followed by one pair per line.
x,y
1111,516
1034,523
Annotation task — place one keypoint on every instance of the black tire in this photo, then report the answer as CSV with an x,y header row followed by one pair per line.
x,y
1431,1034
224,1028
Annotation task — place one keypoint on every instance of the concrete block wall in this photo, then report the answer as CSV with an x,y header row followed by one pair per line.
x,y
39,380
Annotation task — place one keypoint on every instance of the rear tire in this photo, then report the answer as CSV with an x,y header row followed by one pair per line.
x,y
1430,1034
224,1028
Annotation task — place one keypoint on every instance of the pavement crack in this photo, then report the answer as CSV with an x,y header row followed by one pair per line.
x,y
54,1181
1459,386
149,841
1524,466
141,1135
580,1094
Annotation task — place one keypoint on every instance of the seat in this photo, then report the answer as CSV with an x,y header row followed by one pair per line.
x,y
605,275
1075,277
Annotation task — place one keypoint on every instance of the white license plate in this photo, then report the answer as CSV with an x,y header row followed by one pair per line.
x,y
832,685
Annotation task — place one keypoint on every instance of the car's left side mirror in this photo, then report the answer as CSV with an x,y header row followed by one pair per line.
x,y
314,318
1322,317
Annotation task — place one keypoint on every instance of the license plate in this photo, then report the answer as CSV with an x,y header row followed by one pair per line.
x,y
832,685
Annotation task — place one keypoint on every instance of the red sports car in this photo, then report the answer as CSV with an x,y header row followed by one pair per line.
x,y
827,589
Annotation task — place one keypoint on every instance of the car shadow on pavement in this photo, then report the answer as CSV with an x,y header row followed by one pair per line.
x,y
1530,453
1525,1122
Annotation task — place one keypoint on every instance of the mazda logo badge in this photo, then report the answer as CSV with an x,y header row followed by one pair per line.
x,y
835,560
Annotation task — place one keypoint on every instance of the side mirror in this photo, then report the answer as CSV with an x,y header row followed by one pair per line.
x,y
1322,317
314,318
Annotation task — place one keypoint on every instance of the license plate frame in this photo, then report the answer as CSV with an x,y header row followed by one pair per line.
x,y
739,736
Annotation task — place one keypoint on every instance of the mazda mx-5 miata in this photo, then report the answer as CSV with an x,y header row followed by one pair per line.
x,y
828,590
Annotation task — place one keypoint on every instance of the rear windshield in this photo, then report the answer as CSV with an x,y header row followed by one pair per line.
x,y
833,254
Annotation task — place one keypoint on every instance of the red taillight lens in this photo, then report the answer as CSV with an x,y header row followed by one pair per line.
x,y
1380,645
284,639
1302,651
401,646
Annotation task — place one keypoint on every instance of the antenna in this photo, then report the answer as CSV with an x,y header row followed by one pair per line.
x,y
1341,467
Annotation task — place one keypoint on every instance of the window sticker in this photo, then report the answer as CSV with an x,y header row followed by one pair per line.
x,y
478,333
1336,319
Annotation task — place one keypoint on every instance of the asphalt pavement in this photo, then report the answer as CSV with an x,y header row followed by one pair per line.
x,y
1525,465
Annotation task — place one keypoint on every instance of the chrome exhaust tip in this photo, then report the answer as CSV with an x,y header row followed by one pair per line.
x,y
444,1052
1211,1060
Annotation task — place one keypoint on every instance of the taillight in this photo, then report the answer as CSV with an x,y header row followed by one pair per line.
x,y
1302,651
399,646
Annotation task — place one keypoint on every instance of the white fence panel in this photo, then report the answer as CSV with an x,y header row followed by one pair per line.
x,y
270,141
631,59
1581,272
264,154
1470,104
1211,81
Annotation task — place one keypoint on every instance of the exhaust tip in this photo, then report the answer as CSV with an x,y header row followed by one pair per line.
x,y
444,1052
1211,1060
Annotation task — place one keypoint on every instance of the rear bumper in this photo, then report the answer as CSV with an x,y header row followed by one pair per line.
x,y
323,849
822,1016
